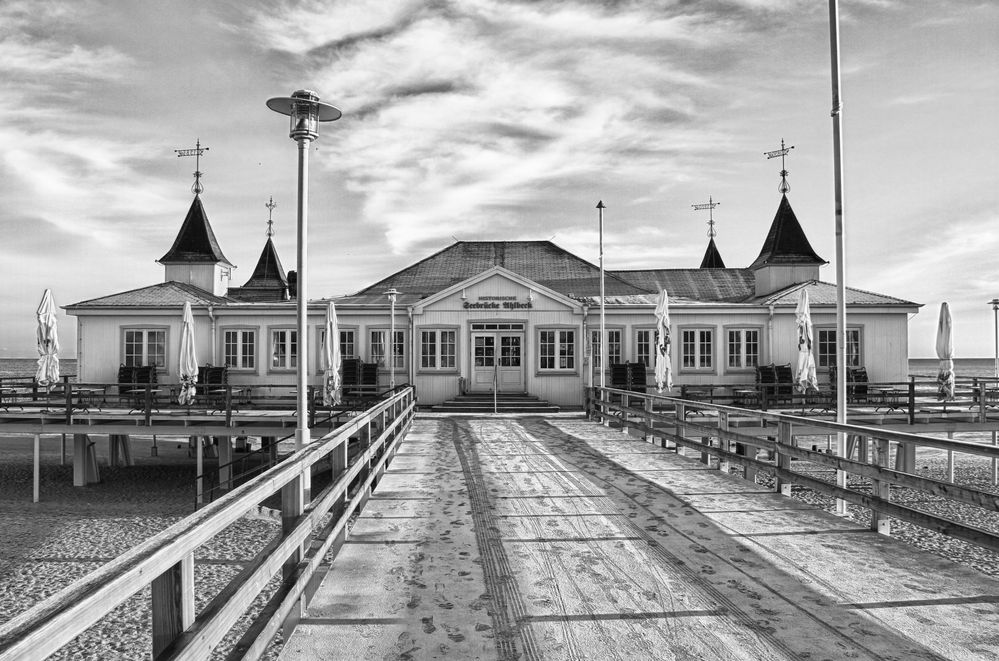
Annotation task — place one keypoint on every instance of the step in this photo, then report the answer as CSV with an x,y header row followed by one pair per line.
x,y
443,408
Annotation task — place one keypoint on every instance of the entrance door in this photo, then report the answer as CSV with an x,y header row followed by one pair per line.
x,y
497,358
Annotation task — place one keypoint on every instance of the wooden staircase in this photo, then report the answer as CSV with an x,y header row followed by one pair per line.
x,y
504,403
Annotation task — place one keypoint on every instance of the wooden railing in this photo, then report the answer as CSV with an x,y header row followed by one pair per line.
x,y
166,561
716,435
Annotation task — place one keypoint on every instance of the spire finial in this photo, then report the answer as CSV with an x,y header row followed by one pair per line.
x,y
270,220
784,187
710,206
198,150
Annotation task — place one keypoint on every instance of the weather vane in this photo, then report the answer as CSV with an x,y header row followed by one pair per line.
x,y
711,204
197,188
270,220
782,152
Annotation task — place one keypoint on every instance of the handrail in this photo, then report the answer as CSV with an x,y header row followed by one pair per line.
x,y
166,561
665,417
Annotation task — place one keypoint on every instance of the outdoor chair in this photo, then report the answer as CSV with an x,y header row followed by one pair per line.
x,y
211,387
131,385
858,376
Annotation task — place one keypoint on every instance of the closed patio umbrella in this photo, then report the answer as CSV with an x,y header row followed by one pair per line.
x,y
945,352
805,378
187,367
664,372
48,342
331,358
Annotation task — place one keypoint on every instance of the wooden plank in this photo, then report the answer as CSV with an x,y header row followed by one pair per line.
x,y
172,604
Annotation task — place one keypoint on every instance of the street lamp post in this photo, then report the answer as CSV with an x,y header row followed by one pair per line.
x,y
305,111
392,294
995,312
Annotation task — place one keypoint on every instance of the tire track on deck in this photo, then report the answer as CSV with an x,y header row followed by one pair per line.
x,y
508,610
576,452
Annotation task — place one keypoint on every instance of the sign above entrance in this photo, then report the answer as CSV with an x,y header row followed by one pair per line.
x,y
499,303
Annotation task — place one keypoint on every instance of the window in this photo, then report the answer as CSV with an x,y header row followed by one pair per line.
x,y
613,347
696,348
378,347
240,348
145,347
348,346
284,349
643,346
557,350
743,348
826,343
438,349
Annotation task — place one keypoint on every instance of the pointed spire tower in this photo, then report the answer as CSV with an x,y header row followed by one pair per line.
x,y
712,258
269,281
787,257
195,257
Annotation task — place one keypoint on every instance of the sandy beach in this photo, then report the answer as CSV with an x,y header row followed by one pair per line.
x,y
45,546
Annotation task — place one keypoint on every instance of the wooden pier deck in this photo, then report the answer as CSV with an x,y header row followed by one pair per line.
x,y
558,538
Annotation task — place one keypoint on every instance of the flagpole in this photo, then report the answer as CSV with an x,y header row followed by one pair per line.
x,y
603,326
837,110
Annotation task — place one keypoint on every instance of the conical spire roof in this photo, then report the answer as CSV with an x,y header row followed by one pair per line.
x,y
196,241
268,272
712,258
786,242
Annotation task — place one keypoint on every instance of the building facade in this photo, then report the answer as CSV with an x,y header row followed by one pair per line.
x,y
515,316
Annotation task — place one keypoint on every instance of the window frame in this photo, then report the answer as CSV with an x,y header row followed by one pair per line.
x,y
817,331
256,347
292,358
742,328
400,357
680,349
559,345
595,345
437,344
145,329
650,364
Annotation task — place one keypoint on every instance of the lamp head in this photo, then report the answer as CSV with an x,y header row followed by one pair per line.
x,y
392,294
994,303
305,110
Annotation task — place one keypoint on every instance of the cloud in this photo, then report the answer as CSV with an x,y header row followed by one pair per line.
x,y
471,114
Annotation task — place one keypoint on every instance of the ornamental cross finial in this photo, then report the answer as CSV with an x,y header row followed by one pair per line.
x,y
782,152
197,188
270,220
710,205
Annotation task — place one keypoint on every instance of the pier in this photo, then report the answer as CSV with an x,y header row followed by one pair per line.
x,y
630,534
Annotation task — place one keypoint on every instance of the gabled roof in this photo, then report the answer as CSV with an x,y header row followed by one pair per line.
x,y
196,241
786,242
540,261
268,282
712,258
164,294
708,284
824,293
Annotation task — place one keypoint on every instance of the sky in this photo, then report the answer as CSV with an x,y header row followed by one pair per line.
x,y
499,120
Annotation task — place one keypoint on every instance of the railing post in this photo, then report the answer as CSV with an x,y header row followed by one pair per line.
x,y
723,442
228,405
172,603
68,388
880,523
647,405
783,459
982,408
912,400
292,506
148,394
681,417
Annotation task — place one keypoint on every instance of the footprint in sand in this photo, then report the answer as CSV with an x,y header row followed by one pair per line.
x,y
428,624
